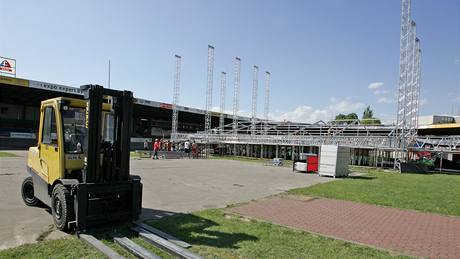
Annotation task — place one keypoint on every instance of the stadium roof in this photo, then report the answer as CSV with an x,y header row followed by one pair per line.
x,y
12,81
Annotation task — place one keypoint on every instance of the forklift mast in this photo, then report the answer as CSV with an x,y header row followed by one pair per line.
x,y
115,158
107,192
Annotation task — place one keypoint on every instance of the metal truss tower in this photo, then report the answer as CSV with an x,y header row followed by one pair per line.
x,y
416,91
176,92
207,125
255,86
236,94
223,82
403,60
409,80
267,97
409,91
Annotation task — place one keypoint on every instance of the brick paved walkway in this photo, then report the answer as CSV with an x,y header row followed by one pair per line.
x,y
409,232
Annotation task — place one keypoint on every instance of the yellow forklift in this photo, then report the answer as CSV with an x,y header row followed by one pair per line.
x,y
80,166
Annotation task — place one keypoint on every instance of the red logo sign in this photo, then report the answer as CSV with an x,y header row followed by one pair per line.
x,y
7,66
5,63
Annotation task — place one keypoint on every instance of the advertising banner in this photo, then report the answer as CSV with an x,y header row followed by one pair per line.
x,y
8,80
55,87
7,66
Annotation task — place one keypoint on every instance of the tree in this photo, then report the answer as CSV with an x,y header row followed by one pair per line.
x,y
368,113
345,119
371,121
368,117
340,116
352,116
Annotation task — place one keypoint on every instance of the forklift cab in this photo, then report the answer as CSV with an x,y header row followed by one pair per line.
x,y
62,136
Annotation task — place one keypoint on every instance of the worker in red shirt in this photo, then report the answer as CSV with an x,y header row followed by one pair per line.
x,y
194,150
156,147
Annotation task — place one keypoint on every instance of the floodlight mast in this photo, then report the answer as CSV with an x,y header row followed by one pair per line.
x,y
176,92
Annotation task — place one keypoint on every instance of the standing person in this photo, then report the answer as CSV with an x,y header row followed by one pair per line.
x,y
146,148
187,148
146,144
156,147
194,150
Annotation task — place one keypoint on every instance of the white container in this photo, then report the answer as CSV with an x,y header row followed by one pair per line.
x,y
334,160
300,166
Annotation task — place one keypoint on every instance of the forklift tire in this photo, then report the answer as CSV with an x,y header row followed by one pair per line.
x,y
61,207
27,191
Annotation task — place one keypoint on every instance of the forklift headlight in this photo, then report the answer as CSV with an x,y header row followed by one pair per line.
x,y
65,107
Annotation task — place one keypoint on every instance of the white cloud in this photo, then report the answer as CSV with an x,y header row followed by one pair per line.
x,y
387,119
423,102
309,114
381,92
385,99
217,109
375,85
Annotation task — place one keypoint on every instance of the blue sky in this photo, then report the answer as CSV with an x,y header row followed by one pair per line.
x,y
323,55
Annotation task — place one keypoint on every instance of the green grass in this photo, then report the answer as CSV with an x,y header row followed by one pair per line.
x,y
143,154
106,236
7,154
437,193
62,248
72,247
214,235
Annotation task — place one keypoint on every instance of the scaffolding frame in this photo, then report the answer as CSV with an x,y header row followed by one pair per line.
x,y
351,134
